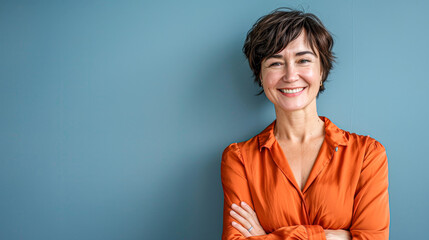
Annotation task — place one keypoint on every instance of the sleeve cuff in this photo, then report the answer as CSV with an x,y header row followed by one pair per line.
x,y
315,232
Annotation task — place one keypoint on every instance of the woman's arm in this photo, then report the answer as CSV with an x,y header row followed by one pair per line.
x,y
371,204
248,224
236,190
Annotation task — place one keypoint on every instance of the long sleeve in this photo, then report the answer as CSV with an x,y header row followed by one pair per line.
x,y
236,189
371,203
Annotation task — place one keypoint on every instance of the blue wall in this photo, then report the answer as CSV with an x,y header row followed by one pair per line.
x,y
114,115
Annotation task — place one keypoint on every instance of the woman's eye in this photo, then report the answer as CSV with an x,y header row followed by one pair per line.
x,y
304,61
274,64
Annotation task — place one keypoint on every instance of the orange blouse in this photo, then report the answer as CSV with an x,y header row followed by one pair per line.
x,y
346,188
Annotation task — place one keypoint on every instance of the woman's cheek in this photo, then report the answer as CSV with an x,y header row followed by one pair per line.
x,y
271,79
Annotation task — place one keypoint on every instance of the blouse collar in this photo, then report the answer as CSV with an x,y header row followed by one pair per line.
x,y
333,135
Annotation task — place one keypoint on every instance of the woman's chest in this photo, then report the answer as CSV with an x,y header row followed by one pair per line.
x,y
301,158
327,201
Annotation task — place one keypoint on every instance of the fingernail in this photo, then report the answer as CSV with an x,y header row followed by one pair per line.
x,y
233,205
243,203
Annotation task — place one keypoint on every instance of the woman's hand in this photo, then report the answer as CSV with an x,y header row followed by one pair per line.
x,y
248,223
337,234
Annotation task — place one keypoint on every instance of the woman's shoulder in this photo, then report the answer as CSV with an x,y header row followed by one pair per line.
x,y
261,139
244,146
251,146
353,141
364,143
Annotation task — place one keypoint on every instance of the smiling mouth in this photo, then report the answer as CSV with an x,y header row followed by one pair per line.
x,y
295,90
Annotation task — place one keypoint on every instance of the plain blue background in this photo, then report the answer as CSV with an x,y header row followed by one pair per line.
x,y
114,115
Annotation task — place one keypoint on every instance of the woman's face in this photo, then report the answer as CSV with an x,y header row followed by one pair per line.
x,y
291,78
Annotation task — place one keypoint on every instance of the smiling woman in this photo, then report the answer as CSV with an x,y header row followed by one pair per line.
x,y
292,78
302,177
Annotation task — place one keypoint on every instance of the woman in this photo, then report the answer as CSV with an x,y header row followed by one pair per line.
x,y
302,177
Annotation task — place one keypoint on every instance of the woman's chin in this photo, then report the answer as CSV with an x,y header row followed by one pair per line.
x,y
290,109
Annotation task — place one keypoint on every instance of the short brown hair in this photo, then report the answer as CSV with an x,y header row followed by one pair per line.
x,y
273,32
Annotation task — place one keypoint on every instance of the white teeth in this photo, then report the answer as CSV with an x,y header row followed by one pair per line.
x,y
291,90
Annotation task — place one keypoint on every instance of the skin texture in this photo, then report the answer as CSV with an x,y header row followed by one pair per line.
x,y
295,66
246,218
298,124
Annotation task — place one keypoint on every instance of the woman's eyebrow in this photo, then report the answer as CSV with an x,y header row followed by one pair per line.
x,y
275,56
296,54
304,52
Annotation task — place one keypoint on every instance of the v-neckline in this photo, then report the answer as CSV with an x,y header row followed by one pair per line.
x,y
322,159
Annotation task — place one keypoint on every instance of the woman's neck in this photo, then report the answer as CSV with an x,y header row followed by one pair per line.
x,y
299,126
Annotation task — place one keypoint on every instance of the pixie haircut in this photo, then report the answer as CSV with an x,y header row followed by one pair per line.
x,y
273,32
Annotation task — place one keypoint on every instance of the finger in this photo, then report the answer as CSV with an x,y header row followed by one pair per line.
x,y
251,215
241,211
241,229
249,209
240,219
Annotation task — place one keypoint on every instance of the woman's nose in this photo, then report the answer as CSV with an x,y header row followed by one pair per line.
x,y
290,74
